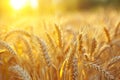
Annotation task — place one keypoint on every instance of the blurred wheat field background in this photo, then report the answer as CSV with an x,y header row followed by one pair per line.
x,y
70,43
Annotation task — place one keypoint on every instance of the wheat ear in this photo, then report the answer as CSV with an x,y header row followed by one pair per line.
x,y
102,49
50,41
44,50
101,70
113,60
115,42
117,29
7,46
79,43
28,46
75,69
93,46
24,75
16,31
71,55
59,35
52,69
107,35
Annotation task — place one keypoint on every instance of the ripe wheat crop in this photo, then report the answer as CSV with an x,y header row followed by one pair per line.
x,y
64,53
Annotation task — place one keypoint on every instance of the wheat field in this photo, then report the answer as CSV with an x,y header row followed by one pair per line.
x,y
68,47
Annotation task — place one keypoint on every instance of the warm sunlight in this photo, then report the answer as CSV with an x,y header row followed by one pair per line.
x,y
18,4
34,3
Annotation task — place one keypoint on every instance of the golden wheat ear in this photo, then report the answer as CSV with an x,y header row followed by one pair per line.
x,y
101,51
18,32
113,61
116,42
75,69
71,55
22,73
79,43
7,47
117,29
28,46
67,45
107,35
93,47
51,68
44,50
51,42
59,36
103,72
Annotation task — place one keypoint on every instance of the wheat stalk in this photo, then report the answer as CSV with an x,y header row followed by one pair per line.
x,y
62,72
1,62
2,51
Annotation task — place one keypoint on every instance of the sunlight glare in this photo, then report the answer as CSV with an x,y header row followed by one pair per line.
x,y
34,3
18,4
